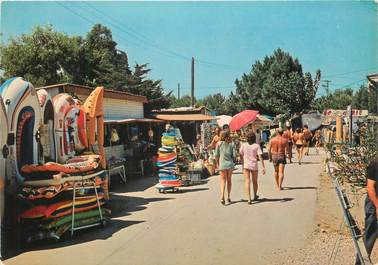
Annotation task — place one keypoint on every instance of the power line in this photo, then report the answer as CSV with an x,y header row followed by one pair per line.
x,y
151,42
351,72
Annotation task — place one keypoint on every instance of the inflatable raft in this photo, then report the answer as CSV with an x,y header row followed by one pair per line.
x,y
47,138
3,141
24,119
94,109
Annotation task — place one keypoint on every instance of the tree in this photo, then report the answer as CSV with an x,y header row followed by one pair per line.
x,y
215,102
276,85
43,57
361,98
47,57
138,83
184,101
339,99
107,65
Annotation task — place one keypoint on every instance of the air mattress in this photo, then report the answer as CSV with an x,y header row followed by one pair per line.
x,y
61,178
48,192
60,208
74,167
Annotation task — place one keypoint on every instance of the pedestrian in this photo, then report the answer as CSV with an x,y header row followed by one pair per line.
x,y
318,140
288,134
298,139
250,153
277,150
371,208
225,153
307,139
211,147
198,147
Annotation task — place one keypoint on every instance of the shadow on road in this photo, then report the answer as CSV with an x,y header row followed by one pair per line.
x,y
263,200
272,200
133,185
191,190
124,205
310,163
299,188
83,236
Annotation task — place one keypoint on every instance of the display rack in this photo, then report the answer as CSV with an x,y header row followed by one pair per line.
x,y
74,188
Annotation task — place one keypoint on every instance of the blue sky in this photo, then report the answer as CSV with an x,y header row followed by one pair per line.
x,y
226,38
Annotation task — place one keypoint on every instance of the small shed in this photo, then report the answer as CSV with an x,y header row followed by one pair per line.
x,y
187,119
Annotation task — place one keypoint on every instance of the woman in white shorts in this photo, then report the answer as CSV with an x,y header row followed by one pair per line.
x,y
250,152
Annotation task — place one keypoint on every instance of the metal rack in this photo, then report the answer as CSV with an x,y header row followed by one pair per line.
x,y
102,220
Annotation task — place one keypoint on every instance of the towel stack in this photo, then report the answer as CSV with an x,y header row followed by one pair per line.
x,y
167,161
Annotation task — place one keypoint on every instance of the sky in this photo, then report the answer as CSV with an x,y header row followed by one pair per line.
x,y
226,38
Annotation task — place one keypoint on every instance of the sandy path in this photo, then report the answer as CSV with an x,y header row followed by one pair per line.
x,y
192,227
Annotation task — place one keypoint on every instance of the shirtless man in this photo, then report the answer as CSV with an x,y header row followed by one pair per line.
x,y
278,147
307,136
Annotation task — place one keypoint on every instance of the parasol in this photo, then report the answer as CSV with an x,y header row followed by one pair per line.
x,y
242,119
223,119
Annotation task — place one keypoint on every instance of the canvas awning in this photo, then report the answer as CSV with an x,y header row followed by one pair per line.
x,y
124,121
184,117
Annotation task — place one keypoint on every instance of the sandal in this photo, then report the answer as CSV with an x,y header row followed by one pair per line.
x,y
229,200
223,202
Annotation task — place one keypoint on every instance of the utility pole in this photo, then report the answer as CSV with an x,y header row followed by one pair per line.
x,y
192,94
178,91
326,86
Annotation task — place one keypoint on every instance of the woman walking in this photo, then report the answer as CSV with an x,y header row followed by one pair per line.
x,y
249,153
298,138
318,140
225,154
211,147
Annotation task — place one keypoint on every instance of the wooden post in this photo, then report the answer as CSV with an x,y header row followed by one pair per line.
x,y
339,129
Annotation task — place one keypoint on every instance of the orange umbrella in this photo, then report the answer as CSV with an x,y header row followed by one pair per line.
x,y
242,119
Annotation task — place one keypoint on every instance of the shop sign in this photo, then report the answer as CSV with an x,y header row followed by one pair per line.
x,y
355,112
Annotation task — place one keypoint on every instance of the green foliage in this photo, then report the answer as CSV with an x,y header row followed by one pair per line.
x,y
44,57
276,85
339,99
352,162
215,102
138,83
363,98
184,101
48,57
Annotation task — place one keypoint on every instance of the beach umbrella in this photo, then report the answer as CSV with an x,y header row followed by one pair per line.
x,y
223,119
242,119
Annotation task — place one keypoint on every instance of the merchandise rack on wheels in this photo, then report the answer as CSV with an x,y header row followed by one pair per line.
x,y
74,189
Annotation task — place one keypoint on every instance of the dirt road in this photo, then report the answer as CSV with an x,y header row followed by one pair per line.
x,y
192,227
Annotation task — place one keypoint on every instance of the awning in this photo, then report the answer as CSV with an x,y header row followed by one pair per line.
x,y
124,121
185,117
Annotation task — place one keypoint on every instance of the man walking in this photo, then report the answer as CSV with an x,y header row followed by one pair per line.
x,y
307,136
288,134
278,147
371,208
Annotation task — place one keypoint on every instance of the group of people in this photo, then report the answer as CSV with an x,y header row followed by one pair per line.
x,y
250,152
301,139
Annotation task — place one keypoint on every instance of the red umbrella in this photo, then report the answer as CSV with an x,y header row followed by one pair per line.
x,y
243,118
